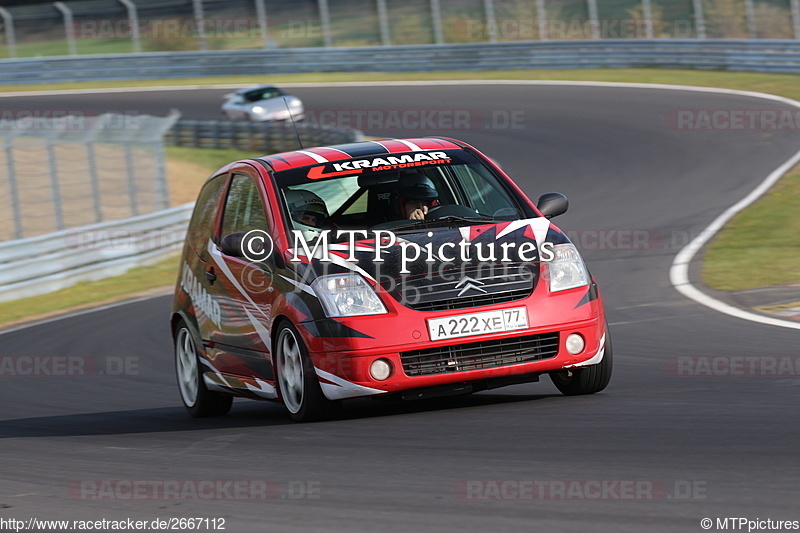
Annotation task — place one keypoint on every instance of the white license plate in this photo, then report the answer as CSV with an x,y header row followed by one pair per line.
x,y
451,327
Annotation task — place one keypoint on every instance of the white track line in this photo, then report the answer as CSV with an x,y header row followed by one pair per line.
x,y
679,271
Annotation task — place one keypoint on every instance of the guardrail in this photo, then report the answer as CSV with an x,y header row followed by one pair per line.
x,y
50,262
262,137
723,54
47,263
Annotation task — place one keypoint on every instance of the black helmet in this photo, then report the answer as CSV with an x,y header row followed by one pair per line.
x,y
416,186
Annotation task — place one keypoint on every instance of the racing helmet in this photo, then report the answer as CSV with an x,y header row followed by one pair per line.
x,y
416,186
307,210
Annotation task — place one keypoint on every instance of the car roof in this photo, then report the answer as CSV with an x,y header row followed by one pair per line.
x,y
254,88
326,154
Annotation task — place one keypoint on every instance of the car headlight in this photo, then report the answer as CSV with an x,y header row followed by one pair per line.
x,y
566,270
347,295
258,109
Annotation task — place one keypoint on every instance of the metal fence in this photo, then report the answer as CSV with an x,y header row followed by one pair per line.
x,y
119,26
722,54
261,137
65,171
54,261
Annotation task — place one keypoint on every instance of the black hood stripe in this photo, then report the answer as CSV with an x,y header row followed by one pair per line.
x,y
555,236
361,149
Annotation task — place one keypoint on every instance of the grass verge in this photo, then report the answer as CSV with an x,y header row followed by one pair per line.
x,y
188,169
760,246
781,84
141,281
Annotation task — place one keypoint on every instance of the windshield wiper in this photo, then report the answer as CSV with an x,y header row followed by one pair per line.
x,y
478,219
449,220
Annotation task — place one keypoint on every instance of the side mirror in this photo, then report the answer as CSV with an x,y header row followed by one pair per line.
x,y
552,204
232,244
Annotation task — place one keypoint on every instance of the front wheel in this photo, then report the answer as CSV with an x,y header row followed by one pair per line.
x,y
297,380
588,379
198,400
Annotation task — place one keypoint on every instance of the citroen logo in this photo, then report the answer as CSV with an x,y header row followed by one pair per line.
x,y
468,283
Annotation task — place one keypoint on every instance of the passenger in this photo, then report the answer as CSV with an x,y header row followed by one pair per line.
x,y
416,196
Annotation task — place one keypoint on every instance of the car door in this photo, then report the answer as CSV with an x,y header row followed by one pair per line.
x,y
245,285
196,295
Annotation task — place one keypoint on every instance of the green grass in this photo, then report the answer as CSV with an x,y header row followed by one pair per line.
x,y
761,245
137,281
781,84
60,48
210,159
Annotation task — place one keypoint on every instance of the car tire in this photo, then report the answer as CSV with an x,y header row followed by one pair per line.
x,y
588,379
297,381
198,400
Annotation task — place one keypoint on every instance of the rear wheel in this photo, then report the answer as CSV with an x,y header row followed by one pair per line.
x,y
587,379
297,381
198,400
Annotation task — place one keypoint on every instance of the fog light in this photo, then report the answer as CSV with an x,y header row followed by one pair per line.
x,y
575,344
380,369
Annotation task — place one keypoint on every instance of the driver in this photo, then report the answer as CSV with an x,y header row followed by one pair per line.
x,y
307,210
416,195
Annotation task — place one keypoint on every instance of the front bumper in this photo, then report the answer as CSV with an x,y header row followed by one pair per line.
x,y
346,374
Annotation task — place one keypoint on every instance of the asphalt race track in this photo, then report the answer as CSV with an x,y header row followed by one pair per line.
x,y
522,458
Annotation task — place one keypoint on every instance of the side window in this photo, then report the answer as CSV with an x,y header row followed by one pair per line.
x,y
243,208
201,225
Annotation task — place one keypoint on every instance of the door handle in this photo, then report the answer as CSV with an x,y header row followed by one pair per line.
x,y
211,277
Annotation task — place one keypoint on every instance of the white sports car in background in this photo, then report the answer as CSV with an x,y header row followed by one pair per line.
x,y
261,104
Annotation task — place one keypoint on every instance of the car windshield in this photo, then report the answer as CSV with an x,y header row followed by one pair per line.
x,y
456,190
262,93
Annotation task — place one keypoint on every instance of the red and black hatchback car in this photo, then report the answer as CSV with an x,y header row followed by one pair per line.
x,y
397,268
